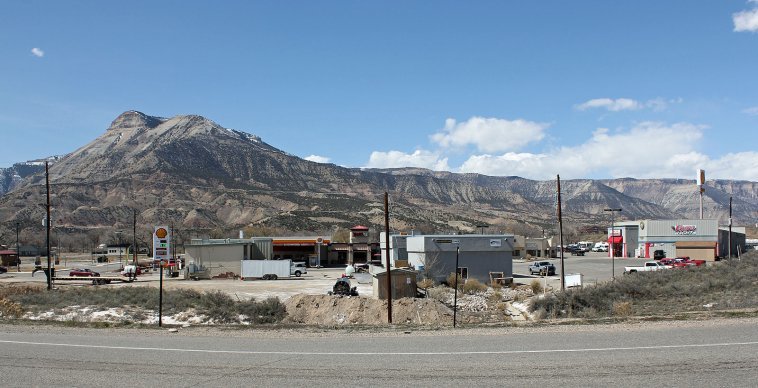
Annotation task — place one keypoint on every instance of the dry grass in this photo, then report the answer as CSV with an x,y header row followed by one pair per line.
x,y
724,285
215,305
622,309
472,286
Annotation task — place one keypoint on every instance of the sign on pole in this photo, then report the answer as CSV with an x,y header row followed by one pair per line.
x,y
161,243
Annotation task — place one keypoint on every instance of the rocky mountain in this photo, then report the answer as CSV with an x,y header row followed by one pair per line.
x,y
201,177
13,176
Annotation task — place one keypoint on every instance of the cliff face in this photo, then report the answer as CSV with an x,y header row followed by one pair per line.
x,y
192,172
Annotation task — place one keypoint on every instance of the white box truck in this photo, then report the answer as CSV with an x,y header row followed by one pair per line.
x,y
265,269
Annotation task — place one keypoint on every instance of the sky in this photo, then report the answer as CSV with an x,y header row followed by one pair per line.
x,y
581,89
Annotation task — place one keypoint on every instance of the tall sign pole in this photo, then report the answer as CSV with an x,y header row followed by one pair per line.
x,y
161,251
47,229
560,234
387,253
701,188
455,298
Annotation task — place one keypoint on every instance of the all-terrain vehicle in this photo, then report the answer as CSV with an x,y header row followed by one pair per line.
x,y
343,287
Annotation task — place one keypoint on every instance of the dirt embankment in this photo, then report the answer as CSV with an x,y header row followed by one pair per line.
x,y
332,310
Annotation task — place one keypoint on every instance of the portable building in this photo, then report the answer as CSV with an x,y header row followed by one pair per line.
x,y
434,256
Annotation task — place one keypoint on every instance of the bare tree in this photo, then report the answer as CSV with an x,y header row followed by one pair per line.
x,y
432,266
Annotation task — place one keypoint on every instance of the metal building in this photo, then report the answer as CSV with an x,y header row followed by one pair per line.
x,y
222,256
478,255
697,239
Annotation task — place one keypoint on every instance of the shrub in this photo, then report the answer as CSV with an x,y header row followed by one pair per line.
x,y
426,283
271,310
622,309
536,286
472,286
10,309
451,280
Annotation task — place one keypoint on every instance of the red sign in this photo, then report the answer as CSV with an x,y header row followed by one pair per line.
x,y
684,229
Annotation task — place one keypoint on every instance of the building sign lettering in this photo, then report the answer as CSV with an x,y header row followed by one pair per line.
x,y
684,230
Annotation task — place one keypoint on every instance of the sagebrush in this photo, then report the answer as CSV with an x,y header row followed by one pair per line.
x,y
726,285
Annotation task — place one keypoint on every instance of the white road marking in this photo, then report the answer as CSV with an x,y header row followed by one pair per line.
x,y
494,352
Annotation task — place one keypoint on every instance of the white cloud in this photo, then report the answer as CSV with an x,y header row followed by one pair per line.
x,y
616,105
752,111
746,20
37,52
610,104
649,150
317,159
489,134
419,158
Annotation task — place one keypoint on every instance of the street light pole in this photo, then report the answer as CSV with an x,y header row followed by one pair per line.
x,y
455,298
612,235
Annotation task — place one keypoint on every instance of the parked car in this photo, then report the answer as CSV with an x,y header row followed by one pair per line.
x,y
83,272
647,267
3,269
131,270
542,268
600,247
298,269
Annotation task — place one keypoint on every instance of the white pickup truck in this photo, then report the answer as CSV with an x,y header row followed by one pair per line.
x,y
647,267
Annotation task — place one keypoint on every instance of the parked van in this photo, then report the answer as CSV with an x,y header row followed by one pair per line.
x,y
600,247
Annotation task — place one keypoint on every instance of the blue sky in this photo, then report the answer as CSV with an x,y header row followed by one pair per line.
x,y
585,89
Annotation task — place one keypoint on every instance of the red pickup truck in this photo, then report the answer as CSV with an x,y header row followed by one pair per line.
x,y
682,262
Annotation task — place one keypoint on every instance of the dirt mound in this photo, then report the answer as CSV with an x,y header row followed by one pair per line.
x,y
333,310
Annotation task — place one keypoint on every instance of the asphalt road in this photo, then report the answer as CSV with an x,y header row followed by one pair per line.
x,y
721,353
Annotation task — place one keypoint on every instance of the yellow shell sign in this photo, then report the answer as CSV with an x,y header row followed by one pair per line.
x,y
161,233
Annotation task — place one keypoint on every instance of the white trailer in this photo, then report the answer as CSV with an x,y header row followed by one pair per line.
x,y
265,269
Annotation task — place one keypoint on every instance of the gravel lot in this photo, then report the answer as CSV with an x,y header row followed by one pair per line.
x,y
595,267
317,281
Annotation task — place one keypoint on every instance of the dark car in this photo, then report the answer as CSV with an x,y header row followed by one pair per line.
x,y
83,272
3,269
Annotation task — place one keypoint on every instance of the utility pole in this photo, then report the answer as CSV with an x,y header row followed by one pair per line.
x,y
730,227
47,229
560,234
613,234
120,248
18,250
134,239
387,253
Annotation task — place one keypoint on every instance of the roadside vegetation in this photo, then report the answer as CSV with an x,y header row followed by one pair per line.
x,y
142,302
726,285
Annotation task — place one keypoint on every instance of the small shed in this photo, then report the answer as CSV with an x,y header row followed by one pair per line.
x,y
403,284
8,257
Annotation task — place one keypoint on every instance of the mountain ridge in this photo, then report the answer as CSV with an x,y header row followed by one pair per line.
x,y
191,171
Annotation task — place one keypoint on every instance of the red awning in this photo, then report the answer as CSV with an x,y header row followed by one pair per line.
x,y
615,240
